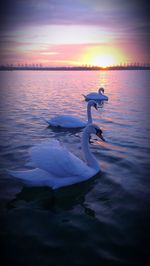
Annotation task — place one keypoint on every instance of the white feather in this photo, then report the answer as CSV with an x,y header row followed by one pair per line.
x,y
56,166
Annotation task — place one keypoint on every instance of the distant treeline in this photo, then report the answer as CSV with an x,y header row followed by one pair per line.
x,y
78,68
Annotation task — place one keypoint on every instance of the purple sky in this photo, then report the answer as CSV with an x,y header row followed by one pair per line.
x,y
74,32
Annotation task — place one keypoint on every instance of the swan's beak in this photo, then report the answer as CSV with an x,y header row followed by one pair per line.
x,y
96,106
99,134
102,138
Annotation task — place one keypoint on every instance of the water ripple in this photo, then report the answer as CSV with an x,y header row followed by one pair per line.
x,y
103,221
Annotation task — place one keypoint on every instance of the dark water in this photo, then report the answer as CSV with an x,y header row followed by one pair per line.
x,y
104,221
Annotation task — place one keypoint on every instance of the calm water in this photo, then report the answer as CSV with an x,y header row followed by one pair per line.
x,y
104,221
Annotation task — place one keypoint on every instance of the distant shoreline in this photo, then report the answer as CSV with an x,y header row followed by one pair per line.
x,y
29,68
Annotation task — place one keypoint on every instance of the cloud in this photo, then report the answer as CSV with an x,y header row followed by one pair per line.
x,y
16,13
35,24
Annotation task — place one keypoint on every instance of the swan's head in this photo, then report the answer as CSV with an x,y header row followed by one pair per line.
x,y
93,103
101,90
94,129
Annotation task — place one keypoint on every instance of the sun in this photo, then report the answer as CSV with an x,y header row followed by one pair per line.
x,y
102,56
104,61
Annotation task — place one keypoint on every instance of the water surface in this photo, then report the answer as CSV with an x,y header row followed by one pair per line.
x,y
104,221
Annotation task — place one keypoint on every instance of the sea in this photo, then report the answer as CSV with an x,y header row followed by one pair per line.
x,y
102,221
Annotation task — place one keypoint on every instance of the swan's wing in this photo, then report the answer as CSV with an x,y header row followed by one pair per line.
x,y
67,121
92,94
105,97
56,167
38,177
58,161
35,177
96,96
81,168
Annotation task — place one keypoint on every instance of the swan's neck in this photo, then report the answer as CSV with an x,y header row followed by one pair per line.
x,y
89,115
88,156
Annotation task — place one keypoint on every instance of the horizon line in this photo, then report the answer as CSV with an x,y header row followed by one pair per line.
x,y
86,67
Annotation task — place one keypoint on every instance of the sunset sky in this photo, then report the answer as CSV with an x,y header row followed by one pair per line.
x,y
74,32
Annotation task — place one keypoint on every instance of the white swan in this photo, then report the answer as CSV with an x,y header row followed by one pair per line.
x,y
68,121
57,167
96,96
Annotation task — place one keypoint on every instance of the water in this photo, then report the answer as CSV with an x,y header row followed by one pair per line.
x,y
104,221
